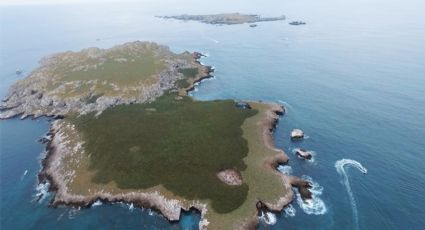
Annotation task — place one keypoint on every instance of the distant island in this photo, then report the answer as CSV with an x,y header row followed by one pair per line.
x,y
224,19
125,130
297,23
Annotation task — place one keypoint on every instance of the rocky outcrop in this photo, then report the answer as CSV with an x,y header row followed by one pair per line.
x,y
303,154
50,91
302,186
297,134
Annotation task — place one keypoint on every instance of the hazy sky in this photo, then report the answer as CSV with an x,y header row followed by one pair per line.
x,y
27,2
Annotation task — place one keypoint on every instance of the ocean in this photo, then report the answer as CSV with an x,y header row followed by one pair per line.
x,y
353,78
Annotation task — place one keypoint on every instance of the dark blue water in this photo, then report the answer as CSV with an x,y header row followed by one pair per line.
x,y
353,79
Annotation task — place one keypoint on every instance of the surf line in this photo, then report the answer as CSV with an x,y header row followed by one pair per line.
x,y
339,165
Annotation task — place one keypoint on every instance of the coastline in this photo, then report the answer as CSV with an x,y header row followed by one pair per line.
x,y
158,198
169,208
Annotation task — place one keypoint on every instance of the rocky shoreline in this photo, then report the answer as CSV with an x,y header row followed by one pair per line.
x,y
38,94
224,18
52,171
170,208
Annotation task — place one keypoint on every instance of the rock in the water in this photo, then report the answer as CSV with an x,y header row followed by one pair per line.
x,y
303,154
297,134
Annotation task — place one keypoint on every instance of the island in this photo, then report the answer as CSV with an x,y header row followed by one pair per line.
x,y
297,23
125,130
225,18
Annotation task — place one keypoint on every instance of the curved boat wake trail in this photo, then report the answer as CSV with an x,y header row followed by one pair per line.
x,y
339,165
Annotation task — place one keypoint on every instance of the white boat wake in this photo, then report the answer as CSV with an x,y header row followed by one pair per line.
x,y
339,165
24,174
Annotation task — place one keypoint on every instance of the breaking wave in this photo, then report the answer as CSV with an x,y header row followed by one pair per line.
x,y
339,165
285,169
289,211
314,206
268,218
96,203
42,190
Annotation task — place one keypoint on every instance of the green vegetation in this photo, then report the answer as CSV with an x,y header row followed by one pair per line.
x,y
180,144
121,69
188,73
225,18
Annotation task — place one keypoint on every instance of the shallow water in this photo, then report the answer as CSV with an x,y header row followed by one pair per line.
x,y
353,79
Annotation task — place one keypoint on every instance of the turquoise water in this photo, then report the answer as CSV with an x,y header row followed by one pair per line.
x,y
353,79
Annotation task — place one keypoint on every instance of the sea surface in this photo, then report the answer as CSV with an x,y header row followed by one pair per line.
x,y
353,79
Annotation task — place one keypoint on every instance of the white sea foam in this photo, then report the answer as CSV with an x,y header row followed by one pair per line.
x,y
268,218
285,169
97,203
131,206
151,213
72,213
314,206
289,211
339,165
42,190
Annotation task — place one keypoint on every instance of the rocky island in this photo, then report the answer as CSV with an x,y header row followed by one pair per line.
x,y
224,19
126,130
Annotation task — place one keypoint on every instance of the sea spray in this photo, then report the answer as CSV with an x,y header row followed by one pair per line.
x,y
268,218
42,191
339,165
289,211
285,169
315,205
96,203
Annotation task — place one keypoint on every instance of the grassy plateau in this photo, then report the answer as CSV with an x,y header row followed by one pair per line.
x,y
180,144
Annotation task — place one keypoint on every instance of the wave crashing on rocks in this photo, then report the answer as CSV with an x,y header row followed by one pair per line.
x,y
314,206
